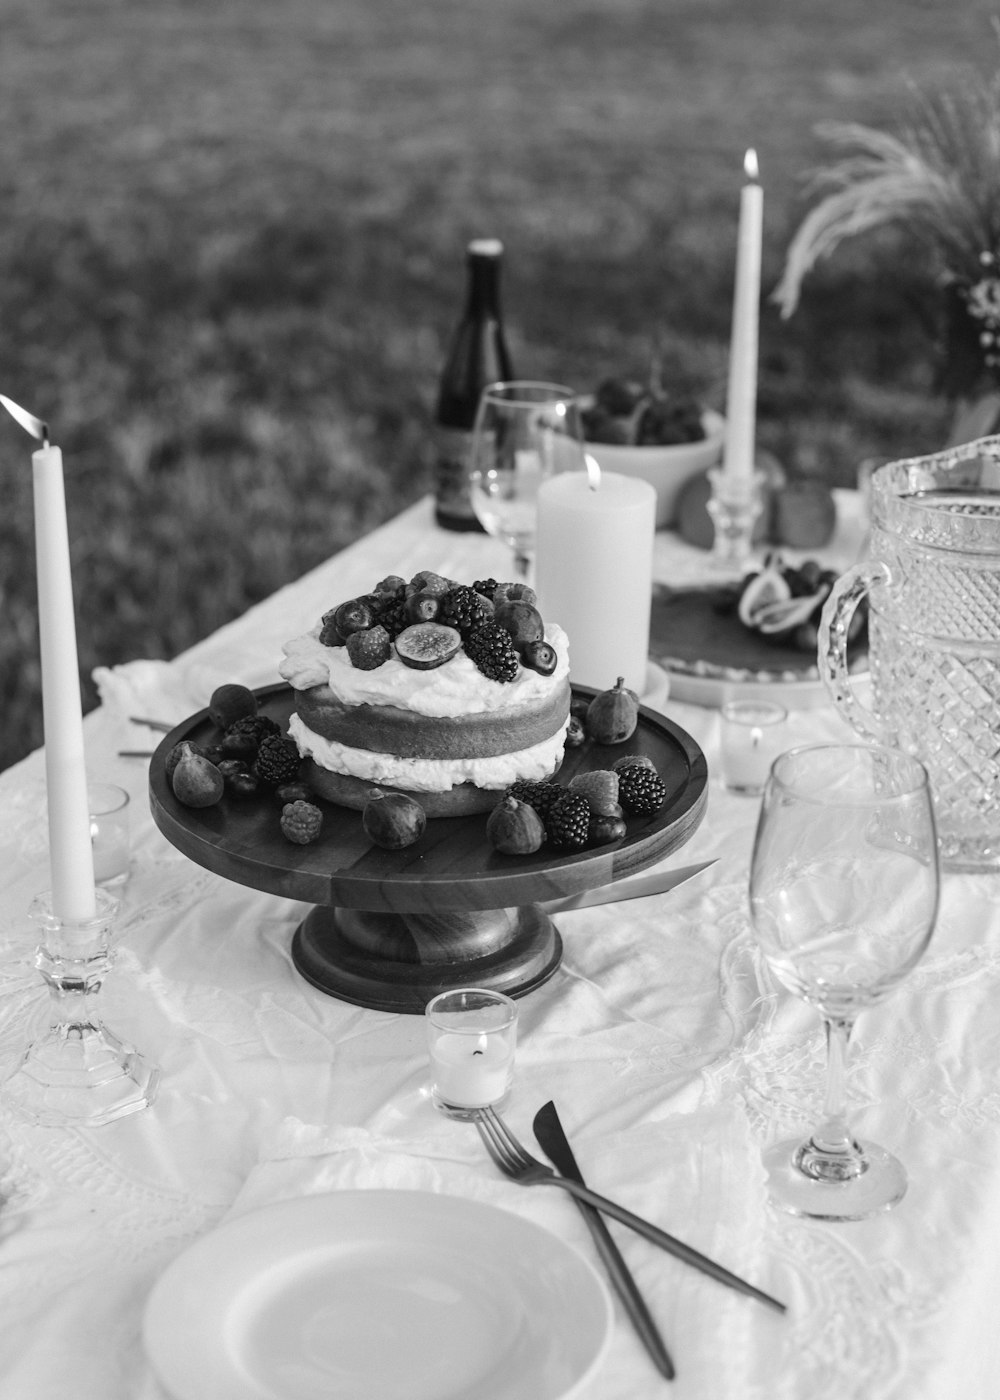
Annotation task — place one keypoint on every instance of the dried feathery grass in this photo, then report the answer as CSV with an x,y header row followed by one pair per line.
x,y
937,182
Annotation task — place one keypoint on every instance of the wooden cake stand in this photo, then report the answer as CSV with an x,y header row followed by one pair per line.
x,y
390,929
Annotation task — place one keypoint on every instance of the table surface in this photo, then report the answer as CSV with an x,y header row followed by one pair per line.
x,y
672,1057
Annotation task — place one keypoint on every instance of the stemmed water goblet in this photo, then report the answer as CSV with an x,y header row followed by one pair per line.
x,y
844,888
524,432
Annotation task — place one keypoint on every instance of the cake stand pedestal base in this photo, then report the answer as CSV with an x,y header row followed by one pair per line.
x,y
397,962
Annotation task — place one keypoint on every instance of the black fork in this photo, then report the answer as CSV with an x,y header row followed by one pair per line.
x,y
519,1165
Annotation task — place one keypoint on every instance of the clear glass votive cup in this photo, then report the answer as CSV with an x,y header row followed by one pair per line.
x,y
471,1039
753,735
109,834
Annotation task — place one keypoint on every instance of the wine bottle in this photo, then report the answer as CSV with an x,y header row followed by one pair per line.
x,y
477,356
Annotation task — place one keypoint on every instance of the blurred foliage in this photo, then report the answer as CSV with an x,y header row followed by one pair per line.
x,y
232,250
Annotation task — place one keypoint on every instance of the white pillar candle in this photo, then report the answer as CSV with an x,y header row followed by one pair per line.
x,y
70,853
471,1070
741,402
594,572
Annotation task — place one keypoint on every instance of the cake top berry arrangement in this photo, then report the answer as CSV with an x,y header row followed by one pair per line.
x,y
430,619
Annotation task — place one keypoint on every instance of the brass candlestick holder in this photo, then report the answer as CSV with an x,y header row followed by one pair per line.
x,y
78,1072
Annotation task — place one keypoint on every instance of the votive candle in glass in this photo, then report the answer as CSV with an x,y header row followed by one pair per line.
x,y
471,1039
109,833
753,735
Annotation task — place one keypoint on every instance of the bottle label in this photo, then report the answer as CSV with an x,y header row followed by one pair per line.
x,y
451,475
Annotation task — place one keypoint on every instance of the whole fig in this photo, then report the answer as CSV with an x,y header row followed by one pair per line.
x,y
230,703
195,781
392,820
514,829
613,716
177,753
522,620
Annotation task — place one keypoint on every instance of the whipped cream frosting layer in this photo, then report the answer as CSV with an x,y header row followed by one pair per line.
x,y
456,688
430,775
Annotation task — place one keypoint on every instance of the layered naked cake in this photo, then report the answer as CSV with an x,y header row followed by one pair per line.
x,y
450,710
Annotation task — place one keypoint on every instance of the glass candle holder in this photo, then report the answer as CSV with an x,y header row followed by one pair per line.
x,y
753,733
471,1039
78,1072
733,508
109,834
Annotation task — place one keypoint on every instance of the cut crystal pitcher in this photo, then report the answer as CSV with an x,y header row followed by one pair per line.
x,y
932,577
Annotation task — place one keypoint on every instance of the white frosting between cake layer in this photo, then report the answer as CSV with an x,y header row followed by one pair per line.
x,y
456,688
430,775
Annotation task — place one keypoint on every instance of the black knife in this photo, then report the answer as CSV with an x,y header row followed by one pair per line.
x,y
554,1143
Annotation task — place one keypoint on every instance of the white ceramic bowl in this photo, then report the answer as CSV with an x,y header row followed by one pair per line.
x,y
666,468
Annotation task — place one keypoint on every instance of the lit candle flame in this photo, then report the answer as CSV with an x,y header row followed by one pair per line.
x,y
593,471
27,420
750,168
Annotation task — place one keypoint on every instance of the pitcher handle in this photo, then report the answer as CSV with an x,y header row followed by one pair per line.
x,y
835,623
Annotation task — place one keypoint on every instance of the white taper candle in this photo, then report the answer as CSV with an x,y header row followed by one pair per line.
x,y
71,855
741,402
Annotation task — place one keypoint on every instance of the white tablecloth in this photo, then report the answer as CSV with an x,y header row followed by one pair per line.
x,y
671,1057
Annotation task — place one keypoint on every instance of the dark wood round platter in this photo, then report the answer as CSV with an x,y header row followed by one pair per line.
x,y
392,928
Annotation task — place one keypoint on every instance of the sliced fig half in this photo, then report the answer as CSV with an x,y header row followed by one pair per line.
x,y
426,645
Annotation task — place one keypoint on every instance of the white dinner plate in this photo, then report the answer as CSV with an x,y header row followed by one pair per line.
x,y
377,1295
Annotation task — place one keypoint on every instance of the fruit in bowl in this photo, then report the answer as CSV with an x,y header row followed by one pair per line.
x,y
646,433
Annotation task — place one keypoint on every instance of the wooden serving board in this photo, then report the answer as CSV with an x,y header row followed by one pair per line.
x,y
391,927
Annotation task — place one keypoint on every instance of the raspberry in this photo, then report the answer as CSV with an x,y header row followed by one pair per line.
x,y
369,650
600,788
277,760
463,609
301,822
569,822
641,790
491,649
542,796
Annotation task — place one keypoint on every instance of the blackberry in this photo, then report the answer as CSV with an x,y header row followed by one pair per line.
x,y
394,617
492,651
301,822
633,760
541,796
277,760
463,609
243,739
641,790
485,587
568,823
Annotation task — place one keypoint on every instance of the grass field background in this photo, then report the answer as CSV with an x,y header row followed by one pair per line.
x,y
231,255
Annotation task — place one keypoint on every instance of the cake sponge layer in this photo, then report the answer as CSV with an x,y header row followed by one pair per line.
x,y
391,730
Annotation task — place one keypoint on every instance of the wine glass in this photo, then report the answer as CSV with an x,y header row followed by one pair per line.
x,y
524,432
844,887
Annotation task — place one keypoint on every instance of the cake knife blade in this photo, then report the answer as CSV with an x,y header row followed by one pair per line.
x,y
658,883
552,1138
